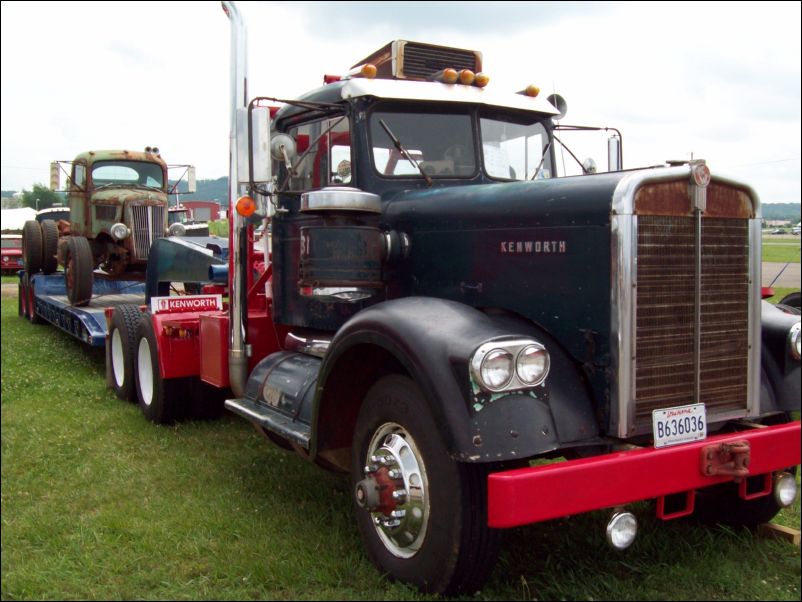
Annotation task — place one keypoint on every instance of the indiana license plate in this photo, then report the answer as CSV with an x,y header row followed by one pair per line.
x,y
683,424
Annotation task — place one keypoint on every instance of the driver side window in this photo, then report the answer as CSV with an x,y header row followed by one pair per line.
x,y
323,154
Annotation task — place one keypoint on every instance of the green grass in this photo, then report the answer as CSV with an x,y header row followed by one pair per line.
x,y
99,504
781,250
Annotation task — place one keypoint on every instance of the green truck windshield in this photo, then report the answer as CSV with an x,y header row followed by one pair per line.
x,y
127,173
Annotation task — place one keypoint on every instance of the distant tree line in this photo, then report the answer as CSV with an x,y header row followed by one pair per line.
x,y
781,211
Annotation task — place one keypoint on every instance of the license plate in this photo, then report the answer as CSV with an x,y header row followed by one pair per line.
x,y
683,424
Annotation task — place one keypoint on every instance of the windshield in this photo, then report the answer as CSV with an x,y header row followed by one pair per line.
x,y
514,151
127,173
12,243
441,143
177,217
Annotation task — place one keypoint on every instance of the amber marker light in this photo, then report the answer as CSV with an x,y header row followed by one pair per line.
x,y
531,90
466,77
368,71
482,79
246,206
445,76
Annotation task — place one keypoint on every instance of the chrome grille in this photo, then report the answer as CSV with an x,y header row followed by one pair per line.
x,y
148,225
665,306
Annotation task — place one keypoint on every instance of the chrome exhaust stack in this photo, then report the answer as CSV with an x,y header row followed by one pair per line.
x,y
238,278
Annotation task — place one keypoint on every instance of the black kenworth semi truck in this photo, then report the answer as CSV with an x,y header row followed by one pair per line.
x,y
436,313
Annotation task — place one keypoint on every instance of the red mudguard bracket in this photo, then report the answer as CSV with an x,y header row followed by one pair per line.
x,y
530,495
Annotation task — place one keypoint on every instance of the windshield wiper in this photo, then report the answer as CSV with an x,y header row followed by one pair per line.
x,y
542,159
400,148
156,188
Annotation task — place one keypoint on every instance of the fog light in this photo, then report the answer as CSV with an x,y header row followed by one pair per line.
x,y
784,489
120,231
177,230
621,530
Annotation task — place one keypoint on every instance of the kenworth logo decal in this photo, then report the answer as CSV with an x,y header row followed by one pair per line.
x,y
531,247
185,303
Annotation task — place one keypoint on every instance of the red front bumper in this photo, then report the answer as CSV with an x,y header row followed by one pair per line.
x,y
529,495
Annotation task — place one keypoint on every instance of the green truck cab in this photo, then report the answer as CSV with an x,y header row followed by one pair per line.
x,y
118,202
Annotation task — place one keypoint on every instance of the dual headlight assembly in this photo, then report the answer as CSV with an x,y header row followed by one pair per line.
x,y
499,366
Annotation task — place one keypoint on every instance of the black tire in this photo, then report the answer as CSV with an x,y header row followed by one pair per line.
x,y
161,400
79,271
49,246
792,300
32,247
123,348
447,548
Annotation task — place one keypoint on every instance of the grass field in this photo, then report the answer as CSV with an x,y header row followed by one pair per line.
x,y
99,504
781,249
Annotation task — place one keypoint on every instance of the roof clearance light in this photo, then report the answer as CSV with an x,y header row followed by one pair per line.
x,y
466,77
482,79
246,206
531,90
445,76
368,71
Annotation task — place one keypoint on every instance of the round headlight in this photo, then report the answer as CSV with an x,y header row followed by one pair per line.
x,y
533,364
621,530
120,231
496,369
794,341
5,258
177,230
784,489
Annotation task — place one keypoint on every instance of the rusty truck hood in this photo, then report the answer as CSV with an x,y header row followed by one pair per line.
x,y
125,195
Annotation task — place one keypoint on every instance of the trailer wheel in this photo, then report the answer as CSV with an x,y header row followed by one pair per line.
x,y
159,398
49,246
79,268
422,516
123,340
32,247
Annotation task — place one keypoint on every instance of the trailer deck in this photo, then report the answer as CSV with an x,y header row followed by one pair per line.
x,y
86,323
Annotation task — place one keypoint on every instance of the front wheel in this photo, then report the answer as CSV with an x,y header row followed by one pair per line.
x,y
79,271
422,516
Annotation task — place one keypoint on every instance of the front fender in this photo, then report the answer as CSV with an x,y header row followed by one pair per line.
x,y
780,373
433,341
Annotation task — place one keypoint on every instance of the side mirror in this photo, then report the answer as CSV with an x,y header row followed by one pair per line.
x,y
283,148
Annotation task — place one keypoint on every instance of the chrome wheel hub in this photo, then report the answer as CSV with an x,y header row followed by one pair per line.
x,y
395,490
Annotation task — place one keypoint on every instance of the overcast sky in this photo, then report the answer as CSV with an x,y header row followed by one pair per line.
x,y
717,80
